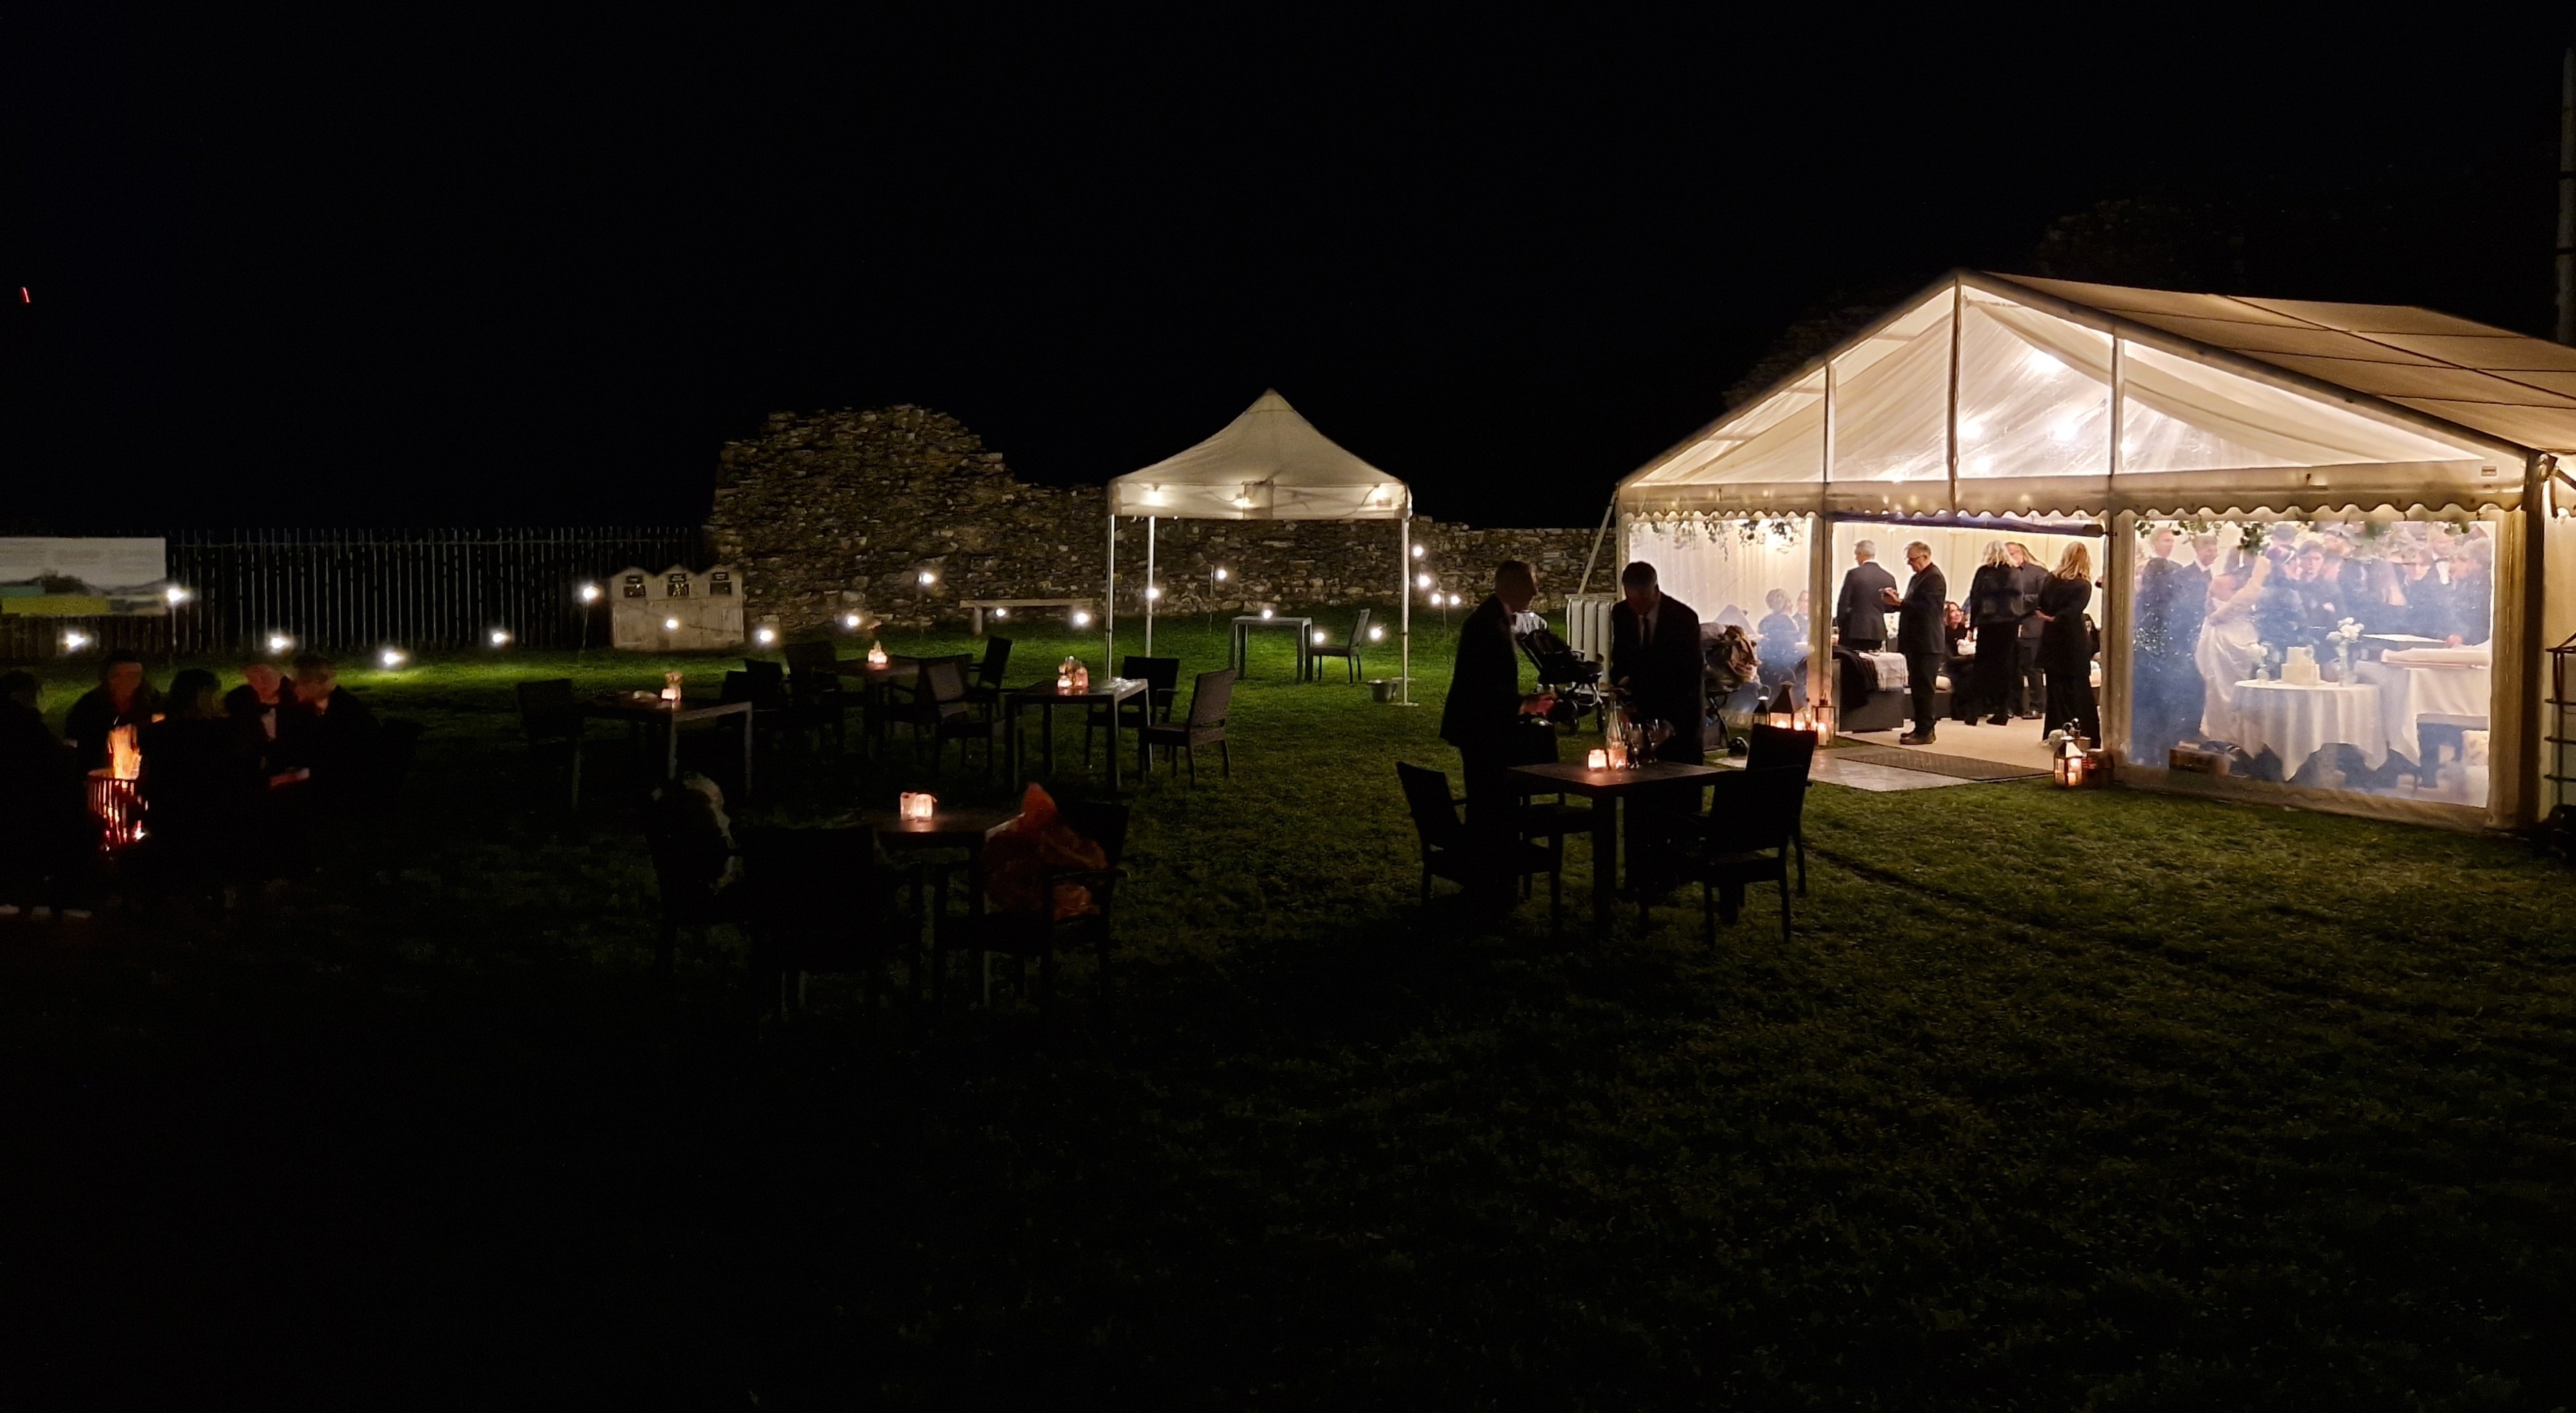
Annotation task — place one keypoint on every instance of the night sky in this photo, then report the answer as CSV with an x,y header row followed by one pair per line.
x,y
437,270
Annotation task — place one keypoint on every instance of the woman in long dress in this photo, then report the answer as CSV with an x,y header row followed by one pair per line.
x,y
1994,609
2066,646
2227,648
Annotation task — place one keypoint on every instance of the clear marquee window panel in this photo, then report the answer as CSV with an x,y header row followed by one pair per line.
x,y
1747,572
2354,656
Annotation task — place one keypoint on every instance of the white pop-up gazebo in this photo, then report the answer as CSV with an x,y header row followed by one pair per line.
x,y
1268,464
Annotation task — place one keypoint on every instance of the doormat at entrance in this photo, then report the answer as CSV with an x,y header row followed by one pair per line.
x,y
1956,767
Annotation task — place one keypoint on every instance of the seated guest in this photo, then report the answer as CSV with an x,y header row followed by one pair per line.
x,y
42,808
2470,619
257,703
332,734
197,780
123,697
1783,646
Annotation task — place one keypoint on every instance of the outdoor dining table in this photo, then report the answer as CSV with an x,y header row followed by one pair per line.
x,y
1606,789
2295,720
874,683
960,827
1241,656
647,713
1046,697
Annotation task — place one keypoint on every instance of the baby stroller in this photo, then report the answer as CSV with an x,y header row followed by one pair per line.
x,y
1575,680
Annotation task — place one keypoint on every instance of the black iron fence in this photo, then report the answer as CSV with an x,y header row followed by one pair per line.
x,y
345,590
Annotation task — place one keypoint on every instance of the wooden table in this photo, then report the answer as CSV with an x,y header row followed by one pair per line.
x,y
976,608
1241,657
1606,788
651,714
1046,698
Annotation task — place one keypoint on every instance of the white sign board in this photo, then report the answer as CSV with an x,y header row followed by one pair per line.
x,y
100,565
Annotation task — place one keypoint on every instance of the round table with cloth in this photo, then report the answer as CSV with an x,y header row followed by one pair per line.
x,y
2295,721
2453,696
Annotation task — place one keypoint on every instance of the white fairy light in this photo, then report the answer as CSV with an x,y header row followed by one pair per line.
x,y
500,637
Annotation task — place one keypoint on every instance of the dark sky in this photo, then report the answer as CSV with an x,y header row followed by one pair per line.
x,y
429,269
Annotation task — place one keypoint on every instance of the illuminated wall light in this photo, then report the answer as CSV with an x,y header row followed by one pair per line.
x,y
1220,574
928,578
670,625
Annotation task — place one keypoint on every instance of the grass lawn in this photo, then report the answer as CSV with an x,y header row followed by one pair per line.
x,y
2058,1100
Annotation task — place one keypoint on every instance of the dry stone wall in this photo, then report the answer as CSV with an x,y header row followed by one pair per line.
x,y
825,514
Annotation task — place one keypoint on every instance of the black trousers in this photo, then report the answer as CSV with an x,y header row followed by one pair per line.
x,y
1998,668
1493,821
2034,683
1923,678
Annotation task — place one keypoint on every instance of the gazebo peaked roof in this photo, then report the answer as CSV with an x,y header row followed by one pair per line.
x,y
1268,464
2000,394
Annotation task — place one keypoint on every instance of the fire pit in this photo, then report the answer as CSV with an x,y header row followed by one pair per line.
x,y
115,794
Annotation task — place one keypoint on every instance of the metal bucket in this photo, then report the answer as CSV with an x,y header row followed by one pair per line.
x,y
1386,689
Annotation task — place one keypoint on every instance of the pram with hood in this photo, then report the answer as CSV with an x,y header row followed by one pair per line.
x,y
1575,679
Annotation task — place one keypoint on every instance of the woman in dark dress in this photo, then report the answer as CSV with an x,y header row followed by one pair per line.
x,y
1994,608
2066,646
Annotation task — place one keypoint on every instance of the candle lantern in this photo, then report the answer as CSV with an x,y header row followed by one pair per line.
x,y
1616,756
2070,765
1824,721
1805,720
671,688
911,806
877,655
1081,678
1064,674
1599,759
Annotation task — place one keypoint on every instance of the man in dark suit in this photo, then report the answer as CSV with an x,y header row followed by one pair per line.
x,y
2029,577
1860,620
1921,634
1655,660
1484,709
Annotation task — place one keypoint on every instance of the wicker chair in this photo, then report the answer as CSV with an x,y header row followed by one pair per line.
x,y
1349,651
1449,852
1205,725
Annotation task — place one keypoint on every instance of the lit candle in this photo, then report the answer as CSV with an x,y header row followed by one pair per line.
x,y
877,655
671,688
1616,757
1599,759
911,805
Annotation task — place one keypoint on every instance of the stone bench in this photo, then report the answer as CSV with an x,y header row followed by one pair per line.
x,y
977,607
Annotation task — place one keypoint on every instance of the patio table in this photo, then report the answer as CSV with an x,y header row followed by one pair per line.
x,y
647,713
1240,658
1606,789
874,683
961,827
1046,697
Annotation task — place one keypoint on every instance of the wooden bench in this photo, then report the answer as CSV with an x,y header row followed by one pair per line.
x,y
977,607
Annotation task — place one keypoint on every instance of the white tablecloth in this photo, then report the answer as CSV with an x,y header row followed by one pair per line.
x,y
2407,694
2295,722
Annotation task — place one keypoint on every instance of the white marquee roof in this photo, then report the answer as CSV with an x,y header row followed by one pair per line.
x,y
2222,403
1268,464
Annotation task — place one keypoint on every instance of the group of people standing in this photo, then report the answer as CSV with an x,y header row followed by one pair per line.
x,y
2033,644
229,780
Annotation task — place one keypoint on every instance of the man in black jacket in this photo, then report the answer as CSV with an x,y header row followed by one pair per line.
x,y
1655,659
1860,613
1921,634
2029,577
1484,708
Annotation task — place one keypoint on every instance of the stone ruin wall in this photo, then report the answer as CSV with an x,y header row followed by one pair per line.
x,y
828,513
